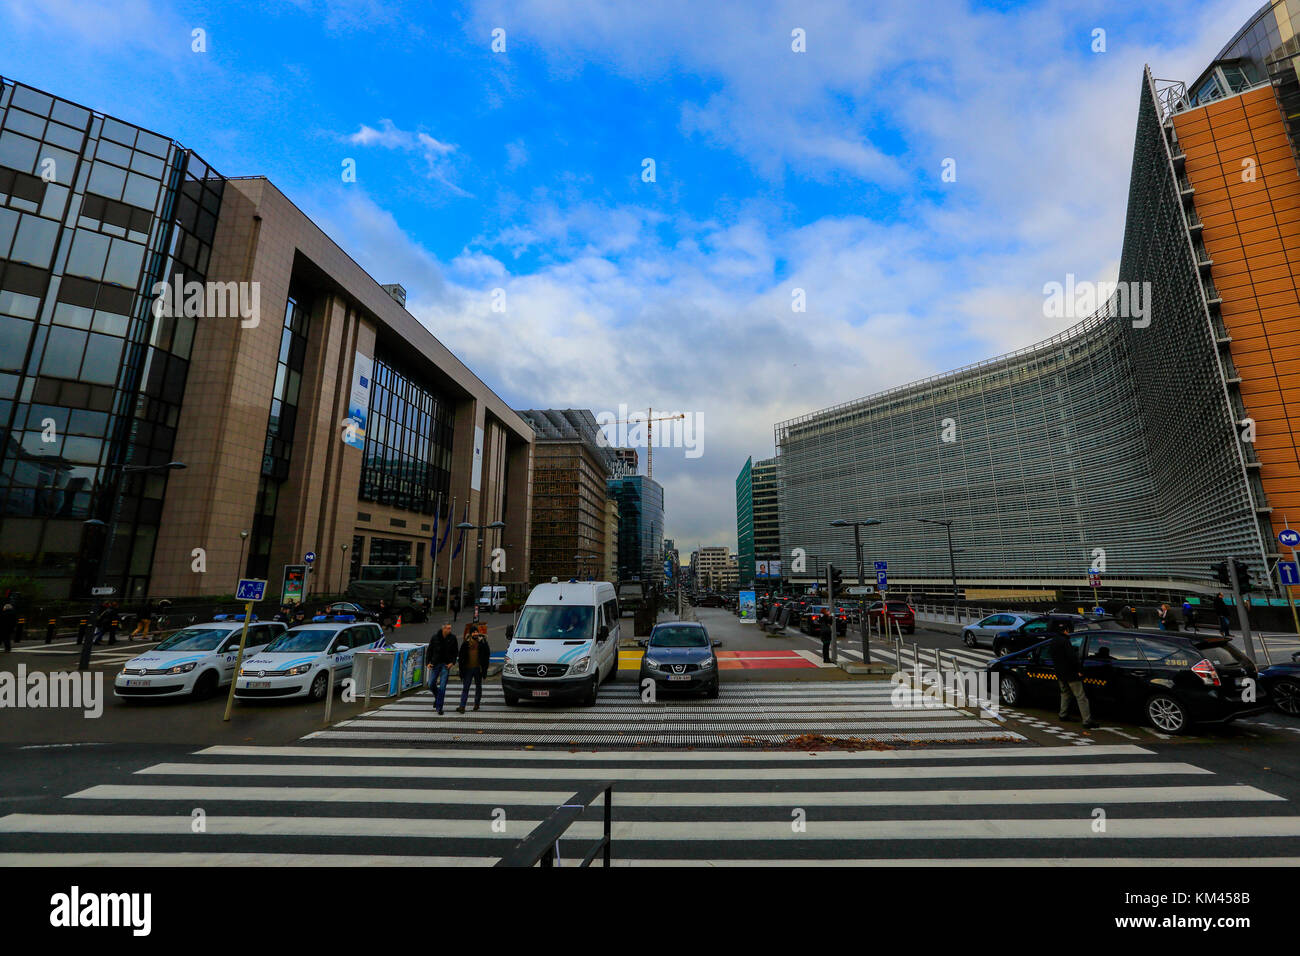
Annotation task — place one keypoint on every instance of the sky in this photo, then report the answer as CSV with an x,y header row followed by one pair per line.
x,y
605,205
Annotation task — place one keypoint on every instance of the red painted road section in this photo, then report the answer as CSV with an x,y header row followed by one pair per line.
x,y
754,660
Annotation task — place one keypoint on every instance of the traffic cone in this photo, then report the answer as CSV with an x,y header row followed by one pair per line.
x,y
398,622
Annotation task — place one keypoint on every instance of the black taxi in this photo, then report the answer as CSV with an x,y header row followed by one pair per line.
x,y
1170,680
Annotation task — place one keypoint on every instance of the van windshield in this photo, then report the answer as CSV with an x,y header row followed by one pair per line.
x,y
541,622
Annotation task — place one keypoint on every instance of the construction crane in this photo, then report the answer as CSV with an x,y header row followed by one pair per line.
x,y
649,434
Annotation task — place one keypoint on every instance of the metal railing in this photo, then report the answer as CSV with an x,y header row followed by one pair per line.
x,y
542,846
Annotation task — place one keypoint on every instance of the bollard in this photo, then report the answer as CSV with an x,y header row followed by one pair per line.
x,y
81,630
49,629
329,696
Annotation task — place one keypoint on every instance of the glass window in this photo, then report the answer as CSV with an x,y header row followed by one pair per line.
x,y
18,152
74,316
1169,653
152,144
8,226
84,450
14,336
113,153
103,359
25,122
124,263
1104,647
34,243
63,350
64,136
32,100
107,180
16,304
140,191
65,112
119,132
88,255
62,168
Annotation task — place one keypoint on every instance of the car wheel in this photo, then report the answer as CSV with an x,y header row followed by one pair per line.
x,y
1286,697
1166,713
968,638
593,693
319,686
511,699
1009,689
1000,649
205,686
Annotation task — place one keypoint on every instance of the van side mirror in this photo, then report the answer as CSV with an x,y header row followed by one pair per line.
x,y
510,632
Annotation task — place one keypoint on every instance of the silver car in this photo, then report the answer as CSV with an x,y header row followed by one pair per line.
x,y
983,632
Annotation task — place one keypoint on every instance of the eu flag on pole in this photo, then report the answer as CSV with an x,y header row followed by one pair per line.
x,y
460,541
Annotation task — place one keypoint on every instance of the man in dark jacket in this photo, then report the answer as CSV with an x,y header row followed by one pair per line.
x,y
1221,612
826,624
438,659
473,659
8,624
1069,674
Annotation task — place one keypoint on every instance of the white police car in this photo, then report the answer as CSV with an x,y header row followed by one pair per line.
x,y
298,662
196,660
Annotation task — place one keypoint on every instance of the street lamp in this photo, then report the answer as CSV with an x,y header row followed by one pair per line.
x,y
952,556
862,610
243,540
343,562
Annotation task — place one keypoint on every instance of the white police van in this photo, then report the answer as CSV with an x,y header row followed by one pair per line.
x,y
298,663
563,644
195,661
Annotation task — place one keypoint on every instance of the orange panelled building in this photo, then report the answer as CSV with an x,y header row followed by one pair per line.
x,y
1241,164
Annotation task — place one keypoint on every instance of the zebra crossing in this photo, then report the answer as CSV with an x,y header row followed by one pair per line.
x,y
746,713
342,804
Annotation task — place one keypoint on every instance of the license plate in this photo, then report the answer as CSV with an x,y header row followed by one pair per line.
x,y
541,693
258,684
137,683
679,676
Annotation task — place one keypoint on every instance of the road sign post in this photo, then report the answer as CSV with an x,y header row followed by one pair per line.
x,y
1290,539
250,591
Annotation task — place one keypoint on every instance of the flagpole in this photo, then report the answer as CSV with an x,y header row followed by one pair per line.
x,y
433,600
450,514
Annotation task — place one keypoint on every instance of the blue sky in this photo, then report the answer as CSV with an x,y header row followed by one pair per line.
x,y
775,170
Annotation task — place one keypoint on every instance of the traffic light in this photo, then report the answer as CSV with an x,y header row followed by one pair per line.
x,y
1220,572
836,578
1243,577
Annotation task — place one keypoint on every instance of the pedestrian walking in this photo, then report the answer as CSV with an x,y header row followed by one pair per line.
x,y
455,606
1189,617
102,621
1133,616
1069,675
442,653
8,624
1163,616
473,659
144,622
1221,612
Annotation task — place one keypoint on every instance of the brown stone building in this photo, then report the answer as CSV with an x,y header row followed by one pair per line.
x,y
570,517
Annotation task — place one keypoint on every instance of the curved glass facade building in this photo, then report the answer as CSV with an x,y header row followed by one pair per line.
x,y
1150,439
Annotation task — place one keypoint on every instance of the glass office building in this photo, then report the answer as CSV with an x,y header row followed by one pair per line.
x,y
640,527
1126,442
94,213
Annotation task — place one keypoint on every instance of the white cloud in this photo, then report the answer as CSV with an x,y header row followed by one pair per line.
x,y
435,153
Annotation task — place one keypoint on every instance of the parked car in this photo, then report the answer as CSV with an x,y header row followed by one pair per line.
x,y
811,622
1171,681
679,656
1036,629
981,633
195,661
351,607
899,612
1281,682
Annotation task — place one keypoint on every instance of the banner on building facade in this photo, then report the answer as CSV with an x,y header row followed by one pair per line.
x,y
363,367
